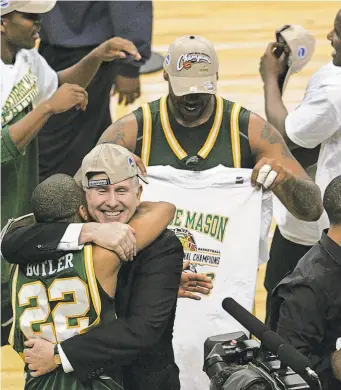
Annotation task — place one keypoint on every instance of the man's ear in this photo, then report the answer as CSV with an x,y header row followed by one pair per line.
x,y
83,213
165,76
139,193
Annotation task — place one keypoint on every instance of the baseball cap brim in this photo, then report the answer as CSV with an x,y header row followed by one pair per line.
x,y
187,85
30,7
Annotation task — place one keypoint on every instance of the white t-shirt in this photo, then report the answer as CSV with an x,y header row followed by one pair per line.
x,y
29,81
223,224
317,120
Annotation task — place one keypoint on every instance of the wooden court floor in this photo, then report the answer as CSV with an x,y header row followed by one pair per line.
x,y
240,31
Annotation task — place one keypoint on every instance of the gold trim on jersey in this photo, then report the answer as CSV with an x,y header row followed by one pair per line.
x,y
14,297
147,133
92,283
235,137
212,137
172,141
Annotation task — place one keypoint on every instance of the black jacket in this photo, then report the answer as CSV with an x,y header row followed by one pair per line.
x,y
140,340
306,304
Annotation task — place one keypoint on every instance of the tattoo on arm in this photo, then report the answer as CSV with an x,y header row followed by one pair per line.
x,y
118,136
301,197
114,134
271,135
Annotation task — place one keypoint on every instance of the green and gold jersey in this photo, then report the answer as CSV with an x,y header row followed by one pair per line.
x,y
56,301
223,139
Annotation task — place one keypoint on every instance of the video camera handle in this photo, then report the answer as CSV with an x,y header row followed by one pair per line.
x,y
271,340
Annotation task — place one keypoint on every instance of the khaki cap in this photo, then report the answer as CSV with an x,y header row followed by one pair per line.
x,y
114,160
301,44
192,66
29,7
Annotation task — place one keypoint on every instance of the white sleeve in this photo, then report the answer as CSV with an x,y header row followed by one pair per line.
x,y
47,78
70,240
315,120
65,362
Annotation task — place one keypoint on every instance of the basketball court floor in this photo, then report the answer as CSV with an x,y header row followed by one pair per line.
x,y
240,31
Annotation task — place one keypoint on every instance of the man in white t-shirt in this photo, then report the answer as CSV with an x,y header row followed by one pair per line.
x,y
316,121
215,207
29,97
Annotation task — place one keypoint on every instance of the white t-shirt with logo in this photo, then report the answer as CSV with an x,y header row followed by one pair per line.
x,y
29,80
223,224
317,120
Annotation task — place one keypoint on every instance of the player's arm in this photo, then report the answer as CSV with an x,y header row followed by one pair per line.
x,y
16,137
149,221
83,71
122,132
298,193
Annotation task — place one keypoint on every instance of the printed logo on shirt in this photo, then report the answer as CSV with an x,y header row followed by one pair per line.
x,y
22,95
197,256
212,225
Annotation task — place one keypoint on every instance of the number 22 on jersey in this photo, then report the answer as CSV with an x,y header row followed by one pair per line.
x,y
59,328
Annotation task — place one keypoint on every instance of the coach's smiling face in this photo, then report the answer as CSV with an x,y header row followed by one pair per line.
x,y
114,202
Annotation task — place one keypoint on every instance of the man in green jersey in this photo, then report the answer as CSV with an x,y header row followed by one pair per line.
x,y
194,128
56,301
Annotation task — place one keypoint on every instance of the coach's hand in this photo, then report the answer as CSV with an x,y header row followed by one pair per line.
x,y
192,283
39,356
268,174
115,236
116,48
66,97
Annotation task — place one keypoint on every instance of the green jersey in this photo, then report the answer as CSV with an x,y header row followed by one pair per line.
x,y
223,139
56,301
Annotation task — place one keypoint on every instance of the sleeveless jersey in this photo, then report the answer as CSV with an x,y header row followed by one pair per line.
x,y
223,139
223,224
56,301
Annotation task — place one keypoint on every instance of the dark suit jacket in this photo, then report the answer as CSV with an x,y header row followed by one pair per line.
x,y
140,340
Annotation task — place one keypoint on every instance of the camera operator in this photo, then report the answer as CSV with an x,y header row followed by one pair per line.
x,y
307,303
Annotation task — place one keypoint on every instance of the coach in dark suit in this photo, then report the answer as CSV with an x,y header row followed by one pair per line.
x,y
140,340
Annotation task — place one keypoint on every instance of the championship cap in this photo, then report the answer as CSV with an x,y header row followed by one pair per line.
x,y
192,66
114,160
301,44
29,7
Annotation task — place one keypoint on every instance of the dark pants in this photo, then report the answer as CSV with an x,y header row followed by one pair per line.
x,y
284,256
67,137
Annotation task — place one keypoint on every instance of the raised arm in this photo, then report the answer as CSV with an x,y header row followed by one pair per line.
x,y
123,132
15,137
84,71
298,193
43,241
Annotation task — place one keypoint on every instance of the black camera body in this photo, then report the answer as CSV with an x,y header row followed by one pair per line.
x,y
222,351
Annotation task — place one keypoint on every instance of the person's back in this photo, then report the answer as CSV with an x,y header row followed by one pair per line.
x,y
56,301
307,303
